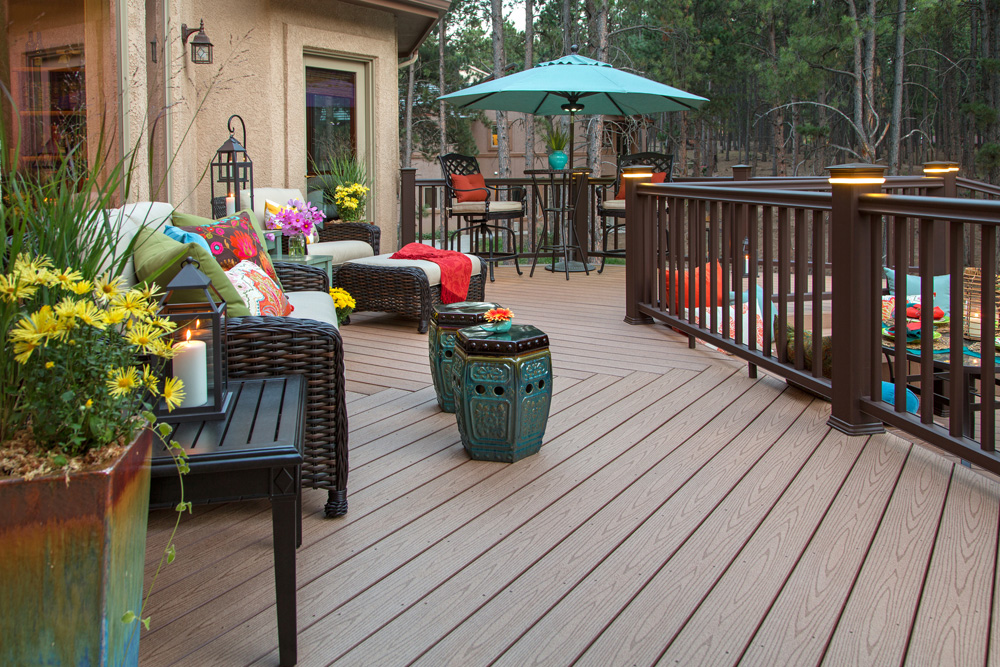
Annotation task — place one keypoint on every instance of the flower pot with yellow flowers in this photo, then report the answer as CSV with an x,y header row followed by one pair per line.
x,y
75,446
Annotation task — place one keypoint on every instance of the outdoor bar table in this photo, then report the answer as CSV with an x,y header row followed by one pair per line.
x,y
563,197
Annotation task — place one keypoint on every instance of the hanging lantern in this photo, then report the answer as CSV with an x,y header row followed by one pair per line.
x,y
231,173
193,304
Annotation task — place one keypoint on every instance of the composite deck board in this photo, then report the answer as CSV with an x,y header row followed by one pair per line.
x,y
679,512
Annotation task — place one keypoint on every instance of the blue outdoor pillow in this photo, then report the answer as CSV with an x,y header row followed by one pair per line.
x,y
942,288
182,236
888,389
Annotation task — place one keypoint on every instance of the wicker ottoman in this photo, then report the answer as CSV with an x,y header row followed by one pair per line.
x,y
405,286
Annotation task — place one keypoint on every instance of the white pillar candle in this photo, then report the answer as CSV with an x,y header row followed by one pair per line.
x,y
230,205
191,368
975,326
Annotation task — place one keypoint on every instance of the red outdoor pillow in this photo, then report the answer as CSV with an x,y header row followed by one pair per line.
x,y
658,177
714,286
469,183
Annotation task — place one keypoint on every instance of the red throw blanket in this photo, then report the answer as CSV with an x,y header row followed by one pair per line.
x,y
456,269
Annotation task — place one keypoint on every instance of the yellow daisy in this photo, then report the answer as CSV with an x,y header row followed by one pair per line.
x,y
81,287
92,315
107,288
67,277
13,288
23,350
142,336
123,381
173,392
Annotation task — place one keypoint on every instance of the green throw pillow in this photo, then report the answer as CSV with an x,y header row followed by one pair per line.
x,y
158,259
826,348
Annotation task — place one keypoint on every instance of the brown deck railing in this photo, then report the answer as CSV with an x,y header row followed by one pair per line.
x,y
817,257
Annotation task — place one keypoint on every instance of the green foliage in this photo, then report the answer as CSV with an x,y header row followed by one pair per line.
x,y
988,159
341,168
983,114
553,134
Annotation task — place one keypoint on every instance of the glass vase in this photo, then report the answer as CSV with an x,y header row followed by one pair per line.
x,y
297,245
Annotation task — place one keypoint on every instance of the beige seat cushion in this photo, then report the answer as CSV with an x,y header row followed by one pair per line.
x,y
127,221
480,207
313,305
341,251
432,270
614,204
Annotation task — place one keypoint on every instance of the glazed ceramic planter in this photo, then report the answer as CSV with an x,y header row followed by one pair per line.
x,y
558,160
72,558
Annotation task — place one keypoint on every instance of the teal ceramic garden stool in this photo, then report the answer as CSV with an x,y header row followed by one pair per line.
x,y
503,388
446,320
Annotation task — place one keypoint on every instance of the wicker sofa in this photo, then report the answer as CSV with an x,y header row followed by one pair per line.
x,y
260,347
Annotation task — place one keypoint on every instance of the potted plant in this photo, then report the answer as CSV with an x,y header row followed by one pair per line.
x,y
351,201
341,168
556,140
75,440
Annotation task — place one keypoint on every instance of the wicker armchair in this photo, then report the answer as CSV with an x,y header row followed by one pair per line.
x,y
266,346
348,231
609,207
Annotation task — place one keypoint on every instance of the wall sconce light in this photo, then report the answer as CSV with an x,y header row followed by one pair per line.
x,y
201,46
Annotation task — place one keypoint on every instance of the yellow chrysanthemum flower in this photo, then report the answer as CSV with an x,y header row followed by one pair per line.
x,y
81,287
142,336
161,347
49,365
123,381
132,302
149,292
149,380
106,288
37,327
115,315
23,350
173,392
67,277
13,288
92,315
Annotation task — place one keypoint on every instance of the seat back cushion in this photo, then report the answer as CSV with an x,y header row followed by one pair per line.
x,y
126,221
279,196
233,239
941,289
469,188
158,259
262,295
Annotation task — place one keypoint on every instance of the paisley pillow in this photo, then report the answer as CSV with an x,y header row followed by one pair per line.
x,y
232,240
261,294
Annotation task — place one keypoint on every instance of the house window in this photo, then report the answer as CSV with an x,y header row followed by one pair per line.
x,y
60,62
337,110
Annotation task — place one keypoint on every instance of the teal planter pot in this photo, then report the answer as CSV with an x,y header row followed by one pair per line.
x,y
503,390
558,160
72,560
446,320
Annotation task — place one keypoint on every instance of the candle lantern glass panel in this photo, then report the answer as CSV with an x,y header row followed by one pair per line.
x,y
973,294
192,303
232,171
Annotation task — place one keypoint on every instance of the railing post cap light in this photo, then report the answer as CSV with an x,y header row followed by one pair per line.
x,y
938,167
201,45
857,174
638,171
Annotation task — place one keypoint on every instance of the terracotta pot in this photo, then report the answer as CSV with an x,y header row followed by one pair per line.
x,y
71,563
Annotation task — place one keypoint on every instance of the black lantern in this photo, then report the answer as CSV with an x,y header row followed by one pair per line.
x,y
201,46
194,305
232,172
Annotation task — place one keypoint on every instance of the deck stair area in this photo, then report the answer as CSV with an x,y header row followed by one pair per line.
x,y
679,513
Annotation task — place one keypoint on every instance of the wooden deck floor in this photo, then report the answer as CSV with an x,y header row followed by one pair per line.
x,y
679,513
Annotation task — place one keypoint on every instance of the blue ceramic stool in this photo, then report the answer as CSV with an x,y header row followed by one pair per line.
x,y
503,389
446,320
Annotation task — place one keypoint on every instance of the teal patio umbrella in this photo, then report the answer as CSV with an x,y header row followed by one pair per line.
x,y
574,84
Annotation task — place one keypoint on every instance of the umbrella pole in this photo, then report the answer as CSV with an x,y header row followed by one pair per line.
x,y
572,145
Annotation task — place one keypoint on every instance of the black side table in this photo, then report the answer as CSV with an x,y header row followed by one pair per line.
x,y
254,452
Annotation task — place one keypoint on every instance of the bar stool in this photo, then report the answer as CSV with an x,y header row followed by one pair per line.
x,y
565,192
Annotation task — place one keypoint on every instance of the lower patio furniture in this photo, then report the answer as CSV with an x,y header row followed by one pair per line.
x,y
306,343
609,205
409,287
446,320
503,390
254,452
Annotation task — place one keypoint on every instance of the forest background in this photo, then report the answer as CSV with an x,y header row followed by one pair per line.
x,y
794,85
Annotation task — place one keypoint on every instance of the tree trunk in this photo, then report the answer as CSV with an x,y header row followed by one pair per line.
x,y
408,140
680,169
529,54
778,117
442,118
597,15
499,61
895,130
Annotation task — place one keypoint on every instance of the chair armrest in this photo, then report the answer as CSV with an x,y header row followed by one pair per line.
x,y
302,277
259,347
352,231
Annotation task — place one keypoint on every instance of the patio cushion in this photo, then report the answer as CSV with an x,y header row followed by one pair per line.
x,y
467,187
826,348
313,305
614,204
127,221
261,294
279,196
432,270
233,239
158,259
341,251
942,288
184,236
480,207
714,287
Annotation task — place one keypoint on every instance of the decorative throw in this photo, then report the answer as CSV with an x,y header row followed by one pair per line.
x,y
233,239
456,268
261,294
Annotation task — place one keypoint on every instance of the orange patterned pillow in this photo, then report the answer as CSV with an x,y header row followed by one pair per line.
x,y
233,239
261,294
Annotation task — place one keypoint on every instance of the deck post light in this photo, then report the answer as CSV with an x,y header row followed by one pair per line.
x,y
201,45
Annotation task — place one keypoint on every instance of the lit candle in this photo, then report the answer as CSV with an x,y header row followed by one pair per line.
x,y
975,326
191,368
230,204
